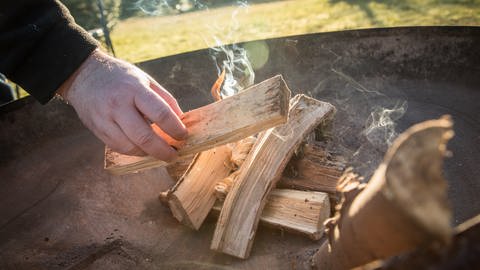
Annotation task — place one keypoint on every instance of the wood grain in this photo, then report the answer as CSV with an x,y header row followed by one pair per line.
x,y
314,168
238,220
295,211
255,109
192,198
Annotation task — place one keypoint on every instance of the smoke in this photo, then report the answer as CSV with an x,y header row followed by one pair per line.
x,y
365,124
153,7
233,59
239,73
380,126
159,7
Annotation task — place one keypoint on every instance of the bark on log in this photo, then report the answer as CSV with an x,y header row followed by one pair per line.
x,y
263,167
255,109
403,206
302,212
462,253
192,198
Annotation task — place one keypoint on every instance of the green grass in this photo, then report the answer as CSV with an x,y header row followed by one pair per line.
x,y
139,39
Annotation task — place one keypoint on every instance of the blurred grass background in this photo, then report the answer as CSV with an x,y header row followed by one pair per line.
x,y
163,30
139,39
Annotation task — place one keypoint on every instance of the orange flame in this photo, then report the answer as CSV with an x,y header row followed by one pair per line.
x,y
217,86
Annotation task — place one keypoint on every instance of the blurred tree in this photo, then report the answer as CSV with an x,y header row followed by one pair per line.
x,y
87,14
128,8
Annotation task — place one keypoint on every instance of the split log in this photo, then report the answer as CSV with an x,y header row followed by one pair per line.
x,y
177,168
255,109
238,220
240,151
403,206
192,198
313,168
462,253
223,186
295,211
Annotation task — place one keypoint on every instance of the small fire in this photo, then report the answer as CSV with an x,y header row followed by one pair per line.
x,y
233,61
217,86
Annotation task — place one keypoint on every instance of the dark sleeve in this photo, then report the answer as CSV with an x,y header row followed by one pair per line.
x,y
40,45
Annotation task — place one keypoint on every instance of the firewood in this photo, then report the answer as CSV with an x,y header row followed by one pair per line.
x,y
461,253
314,168
294,211
241,149
177,168
192,198
255,109
240,152
238,220
223,186
403,206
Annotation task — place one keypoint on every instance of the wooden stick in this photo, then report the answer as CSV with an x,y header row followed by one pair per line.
x,y
192,198
295,211
263,167
403,206
257,108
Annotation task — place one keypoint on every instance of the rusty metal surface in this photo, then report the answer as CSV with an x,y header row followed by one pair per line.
x,y
60,210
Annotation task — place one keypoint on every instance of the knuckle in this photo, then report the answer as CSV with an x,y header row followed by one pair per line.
x,y
115,101
161,114
145,138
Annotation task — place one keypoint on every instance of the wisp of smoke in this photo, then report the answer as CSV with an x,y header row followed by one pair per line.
x,y
158,7
365,123
239,73
380,125
153,7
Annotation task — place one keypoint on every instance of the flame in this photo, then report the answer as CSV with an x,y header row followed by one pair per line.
x,y
217,86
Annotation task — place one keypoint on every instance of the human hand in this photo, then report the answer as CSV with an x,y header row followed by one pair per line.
x,y
116,101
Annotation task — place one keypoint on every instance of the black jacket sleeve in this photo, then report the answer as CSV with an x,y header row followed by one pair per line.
x,y
40,45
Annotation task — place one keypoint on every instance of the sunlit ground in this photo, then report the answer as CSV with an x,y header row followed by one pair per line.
x,y
139,39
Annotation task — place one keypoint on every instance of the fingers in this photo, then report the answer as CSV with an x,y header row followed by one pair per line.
x,y
158,111
142,135
169,99
114,137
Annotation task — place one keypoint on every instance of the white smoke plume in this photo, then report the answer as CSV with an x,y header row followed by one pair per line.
x,y
233,59
380,125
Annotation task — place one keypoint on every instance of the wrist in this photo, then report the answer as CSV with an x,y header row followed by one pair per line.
x,y
67,85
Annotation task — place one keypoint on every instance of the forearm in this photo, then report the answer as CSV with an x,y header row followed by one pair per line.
x,y
40,45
